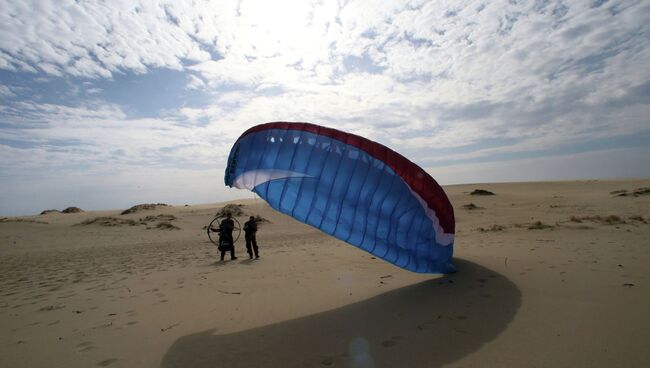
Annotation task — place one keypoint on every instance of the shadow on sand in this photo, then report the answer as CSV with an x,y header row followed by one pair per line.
x,y
423,325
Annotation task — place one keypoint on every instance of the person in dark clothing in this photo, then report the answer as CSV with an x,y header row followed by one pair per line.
x,y
250,229
226,242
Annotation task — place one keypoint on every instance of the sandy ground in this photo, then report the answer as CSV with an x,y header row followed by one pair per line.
x,y
550,275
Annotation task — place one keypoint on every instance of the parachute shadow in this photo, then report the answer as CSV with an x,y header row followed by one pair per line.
x,y
423,325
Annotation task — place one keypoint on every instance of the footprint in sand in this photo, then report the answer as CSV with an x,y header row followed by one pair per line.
x,y
48,308
327,362
392,342
84,347
107,362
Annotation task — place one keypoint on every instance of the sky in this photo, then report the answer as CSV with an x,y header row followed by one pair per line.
x,y
107,104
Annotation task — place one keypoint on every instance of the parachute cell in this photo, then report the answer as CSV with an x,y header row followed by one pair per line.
x,y
352,188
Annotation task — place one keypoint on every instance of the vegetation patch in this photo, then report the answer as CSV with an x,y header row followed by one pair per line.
x,y
72,210
32,221
639,219
472,206
160,217
635,193
144,207
641,191
48,308
260,219
575,219
234,209
538,225
166,226
492,228
578,227
50,211
606,220
109,221
482,192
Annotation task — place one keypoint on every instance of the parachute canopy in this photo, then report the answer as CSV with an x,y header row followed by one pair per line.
x,y
350,187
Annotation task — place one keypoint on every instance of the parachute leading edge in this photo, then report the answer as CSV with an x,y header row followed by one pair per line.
x,y
354,189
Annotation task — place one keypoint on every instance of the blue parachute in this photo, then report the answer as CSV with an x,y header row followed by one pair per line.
x,y
352,188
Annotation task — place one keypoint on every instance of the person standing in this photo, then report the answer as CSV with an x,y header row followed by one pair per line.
x,y
226,242
250,229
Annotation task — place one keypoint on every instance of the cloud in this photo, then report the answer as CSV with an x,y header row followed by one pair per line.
x,y
171,85
93,39
194,82
6,91
60,139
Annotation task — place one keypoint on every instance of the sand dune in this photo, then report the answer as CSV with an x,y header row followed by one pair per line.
x,y
550,274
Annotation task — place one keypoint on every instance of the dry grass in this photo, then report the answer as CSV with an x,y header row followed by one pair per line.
x,y
234,209
606,220
639,219
163,224
538,225
492,228
161,217
32,221
260,219
109,221
635,193
143,207
472,206
619,191
50,211
72,210
481,192
166,226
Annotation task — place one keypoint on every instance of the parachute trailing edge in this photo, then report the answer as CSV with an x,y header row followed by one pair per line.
x,y
350,187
